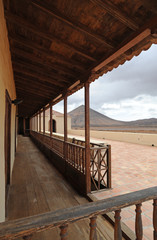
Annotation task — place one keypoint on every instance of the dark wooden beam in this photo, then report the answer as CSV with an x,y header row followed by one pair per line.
x,y
115,12
45,52
124,48
43,78
44,72
72,23
35,85
26,90
36,88
12,18
37,60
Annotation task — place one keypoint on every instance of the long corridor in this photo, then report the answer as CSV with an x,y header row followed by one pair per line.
x,y
37,187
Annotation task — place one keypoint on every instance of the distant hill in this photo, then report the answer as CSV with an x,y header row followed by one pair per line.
x,y
99,120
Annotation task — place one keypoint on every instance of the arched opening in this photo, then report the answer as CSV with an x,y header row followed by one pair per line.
x,y
54,125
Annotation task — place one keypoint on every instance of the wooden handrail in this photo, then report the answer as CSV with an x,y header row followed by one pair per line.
x,y
76,145
27,226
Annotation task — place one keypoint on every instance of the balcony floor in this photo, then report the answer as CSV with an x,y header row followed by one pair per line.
x,y
37,187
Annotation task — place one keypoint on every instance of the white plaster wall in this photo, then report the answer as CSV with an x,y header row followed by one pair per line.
x,y
138,138
6,82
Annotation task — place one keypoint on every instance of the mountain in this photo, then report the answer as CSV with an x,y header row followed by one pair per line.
x,y
96,119
99,120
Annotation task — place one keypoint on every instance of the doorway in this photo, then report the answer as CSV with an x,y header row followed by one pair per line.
x,y
7,143
54,126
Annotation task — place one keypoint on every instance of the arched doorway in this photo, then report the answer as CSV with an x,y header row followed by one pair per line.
x,y
54,125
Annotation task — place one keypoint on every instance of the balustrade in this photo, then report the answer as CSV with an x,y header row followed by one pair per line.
x,y
26,227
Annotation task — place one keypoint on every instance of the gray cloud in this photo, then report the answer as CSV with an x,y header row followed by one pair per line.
x,y
136,80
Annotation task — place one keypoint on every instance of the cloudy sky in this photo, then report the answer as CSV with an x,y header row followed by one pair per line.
x,y
127,93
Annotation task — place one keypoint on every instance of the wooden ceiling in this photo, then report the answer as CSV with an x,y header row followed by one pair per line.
x,y
56,43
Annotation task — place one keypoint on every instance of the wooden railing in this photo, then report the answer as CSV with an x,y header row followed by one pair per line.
x,y
53,143
100,167
74,154
26,227
100,164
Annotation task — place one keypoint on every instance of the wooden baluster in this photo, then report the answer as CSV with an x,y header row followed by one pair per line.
x,y
155,218
93,235
29,237
117,227
64,233
138,223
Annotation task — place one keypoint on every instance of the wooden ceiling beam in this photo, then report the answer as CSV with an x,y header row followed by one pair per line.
x,y
28,85
33,58
34,80
72,23
34,92
115,12
36,96
47,53
21,68
38,84
124,48
43,71
12,18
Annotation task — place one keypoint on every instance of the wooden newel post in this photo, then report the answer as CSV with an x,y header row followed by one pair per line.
x,y
155,218
117,227
87,139
64,233
109,180
93,225
138,222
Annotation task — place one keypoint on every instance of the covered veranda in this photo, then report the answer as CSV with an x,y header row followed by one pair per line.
x,y
58,47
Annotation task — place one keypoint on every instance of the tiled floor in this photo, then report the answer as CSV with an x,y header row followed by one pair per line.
x,y
134,167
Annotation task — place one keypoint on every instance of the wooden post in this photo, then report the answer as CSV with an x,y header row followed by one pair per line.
x,y
50,120
40,122
37,123
43,120
30,124
155,218
64,234
138,223
65,127
117,227
93,235
24,126
87,139
109,180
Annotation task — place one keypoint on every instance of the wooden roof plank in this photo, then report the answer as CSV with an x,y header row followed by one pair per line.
x,y
20,68
38,60
72,23
41,50
42,71
12,18
115,12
